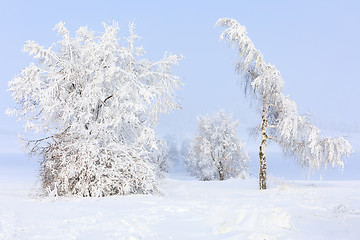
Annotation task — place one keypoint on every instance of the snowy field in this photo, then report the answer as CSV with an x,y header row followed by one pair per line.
x,y
91,100
187,209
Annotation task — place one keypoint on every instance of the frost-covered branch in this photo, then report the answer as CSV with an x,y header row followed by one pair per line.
x,y
111,96
216,152
292,131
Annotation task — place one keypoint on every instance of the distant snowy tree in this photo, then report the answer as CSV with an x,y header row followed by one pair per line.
x,y
216,152
165,157
161,159
173,151
280,119
96,101
184,149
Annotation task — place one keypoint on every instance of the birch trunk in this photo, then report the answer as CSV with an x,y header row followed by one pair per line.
x,y
221,171
262,153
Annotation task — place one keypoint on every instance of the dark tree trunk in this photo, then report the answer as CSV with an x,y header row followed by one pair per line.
x,y
262,174
221,172
262,152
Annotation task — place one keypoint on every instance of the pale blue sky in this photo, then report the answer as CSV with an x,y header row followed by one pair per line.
x,y
314,44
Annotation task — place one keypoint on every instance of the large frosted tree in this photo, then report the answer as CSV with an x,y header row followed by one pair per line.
x,y
216,152
95,100
280,120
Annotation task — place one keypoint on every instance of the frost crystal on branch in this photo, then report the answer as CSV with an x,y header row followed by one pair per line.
x,y
280,119
97,102
216,152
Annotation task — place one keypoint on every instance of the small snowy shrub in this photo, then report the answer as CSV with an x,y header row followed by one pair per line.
x,y
161,159
165,157
216,152
173,151
96,101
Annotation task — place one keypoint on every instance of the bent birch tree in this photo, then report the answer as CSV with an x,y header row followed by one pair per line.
x,y
280,120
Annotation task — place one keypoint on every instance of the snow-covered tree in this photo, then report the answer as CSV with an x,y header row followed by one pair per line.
x,y
96,101
216,152
162,159
281,121
184,149
173,151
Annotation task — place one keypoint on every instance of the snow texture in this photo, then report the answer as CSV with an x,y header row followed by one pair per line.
x,y
96,101
187,209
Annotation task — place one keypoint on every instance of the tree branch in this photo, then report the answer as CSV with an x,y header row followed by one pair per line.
x,y
107,98
272,138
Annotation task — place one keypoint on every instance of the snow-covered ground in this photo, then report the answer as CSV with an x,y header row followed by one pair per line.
x,y
187,209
